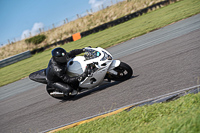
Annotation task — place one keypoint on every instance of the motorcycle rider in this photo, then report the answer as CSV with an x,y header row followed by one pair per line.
x,y
57,68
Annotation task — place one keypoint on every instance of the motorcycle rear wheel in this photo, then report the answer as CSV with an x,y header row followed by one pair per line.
x,y
124,72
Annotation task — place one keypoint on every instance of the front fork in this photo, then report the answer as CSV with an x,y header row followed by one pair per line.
x,y
113,65
111,71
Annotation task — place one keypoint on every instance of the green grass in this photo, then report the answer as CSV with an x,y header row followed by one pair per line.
x,y
106,38
180,116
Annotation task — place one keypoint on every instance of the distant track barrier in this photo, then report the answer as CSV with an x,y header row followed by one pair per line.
x,y
77,36
108,25
15,58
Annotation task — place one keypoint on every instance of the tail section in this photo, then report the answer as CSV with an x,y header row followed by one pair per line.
x,y
39,76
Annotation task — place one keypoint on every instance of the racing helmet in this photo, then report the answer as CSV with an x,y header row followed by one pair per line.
x,y
59,55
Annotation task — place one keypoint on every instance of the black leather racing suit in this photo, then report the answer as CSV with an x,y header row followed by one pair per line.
x,y
56,74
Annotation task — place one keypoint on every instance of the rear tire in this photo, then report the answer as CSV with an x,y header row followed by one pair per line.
x,y
124,72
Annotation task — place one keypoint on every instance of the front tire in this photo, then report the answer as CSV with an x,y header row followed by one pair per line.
x,y
123,72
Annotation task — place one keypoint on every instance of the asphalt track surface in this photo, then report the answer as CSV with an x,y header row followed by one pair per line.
x,y
163,61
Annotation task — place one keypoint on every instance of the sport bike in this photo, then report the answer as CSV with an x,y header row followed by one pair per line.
x,y
101,69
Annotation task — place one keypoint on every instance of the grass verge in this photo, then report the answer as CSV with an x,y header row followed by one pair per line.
x,y
106,38
182,115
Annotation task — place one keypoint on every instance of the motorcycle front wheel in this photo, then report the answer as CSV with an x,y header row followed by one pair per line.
x,y
123,72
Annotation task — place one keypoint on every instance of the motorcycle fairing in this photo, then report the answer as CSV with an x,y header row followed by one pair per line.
x,y
96,79
102,62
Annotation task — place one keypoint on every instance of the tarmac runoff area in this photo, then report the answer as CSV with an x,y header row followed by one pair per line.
x,y
160,99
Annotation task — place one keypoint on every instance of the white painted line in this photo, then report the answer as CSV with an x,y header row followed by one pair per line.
x,y
162,96
124,107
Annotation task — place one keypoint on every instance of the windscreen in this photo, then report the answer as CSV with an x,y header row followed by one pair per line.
x,y
91,54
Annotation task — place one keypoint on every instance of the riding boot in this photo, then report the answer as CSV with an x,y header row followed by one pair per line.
x,y
65,88
74,92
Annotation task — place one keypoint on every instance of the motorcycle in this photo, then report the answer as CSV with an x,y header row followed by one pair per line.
x,y
101,69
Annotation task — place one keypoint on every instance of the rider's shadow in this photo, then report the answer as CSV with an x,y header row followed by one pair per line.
x,y
95,90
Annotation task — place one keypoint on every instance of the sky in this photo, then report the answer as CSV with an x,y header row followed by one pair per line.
x,y
19,17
